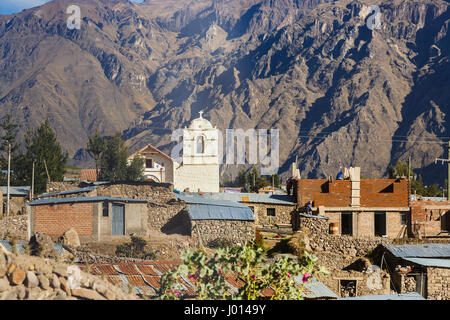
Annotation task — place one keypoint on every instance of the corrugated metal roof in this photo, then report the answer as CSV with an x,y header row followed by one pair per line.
x,y
196,199
22,244
313,216
430,250
16,191
64,193
282,199
213,212
84,199
145,281
414,197
315,289
401,296
430,262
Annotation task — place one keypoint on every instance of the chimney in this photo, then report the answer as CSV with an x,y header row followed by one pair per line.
x,y
355,179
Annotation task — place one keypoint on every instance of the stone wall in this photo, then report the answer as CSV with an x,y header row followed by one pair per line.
x,y
283,213
205,231
438,283
54,187
24,277
322,240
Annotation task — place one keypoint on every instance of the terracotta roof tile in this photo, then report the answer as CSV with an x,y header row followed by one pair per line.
x,y
127,268
147,270
153,281
136,281
88,175
106,269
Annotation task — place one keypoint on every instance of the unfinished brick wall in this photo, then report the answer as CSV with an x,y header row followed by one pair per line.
x,y
438,283
426,220
374,192
384,193
56,219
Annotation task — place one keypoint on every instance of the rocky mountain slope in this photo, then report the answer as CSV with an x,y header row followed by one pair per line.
x,y
340,93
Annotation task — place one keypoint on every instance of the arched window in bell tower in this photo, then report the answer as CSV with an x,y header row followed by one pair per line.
x,y
200,144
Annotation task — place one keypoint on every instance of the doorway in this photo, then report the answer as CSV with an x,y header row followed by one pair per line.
x,y
118,220
347,223
380,224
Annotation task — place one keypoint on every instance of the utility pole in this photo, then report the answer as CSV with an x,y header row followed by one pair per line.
x,y
32,182
448,167
9,179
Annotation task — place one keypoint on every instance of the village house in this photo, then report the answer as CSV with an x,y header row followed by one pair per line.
x,y
422,268
430,216
268,209
93,218
355,206
210,220
198,167
18,198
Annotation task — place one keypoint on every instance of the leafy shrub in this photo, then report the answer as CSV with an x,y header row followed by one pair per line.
x,y
259,239
248,264
135,249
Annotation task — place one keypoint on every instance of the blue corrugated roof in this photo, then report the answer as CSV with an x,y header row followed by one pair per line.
x,y
21,246
281,199
414,197
196,199
430,250
401,296
84,199
315,289
219,212
16,191
430,262
63,193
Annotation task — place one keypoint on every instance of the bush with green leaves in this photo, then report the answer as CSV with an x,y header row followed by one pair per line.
x,y
135,249
245,262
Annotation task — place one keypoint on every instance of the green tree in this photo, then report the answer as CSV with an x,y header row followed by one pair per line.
x,y
9,135
114,162
43,148
135,170
401,170
95,148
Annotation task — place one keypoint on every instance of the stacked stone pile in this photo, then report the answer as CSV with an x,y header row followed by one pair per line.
x,y
24,277
14,226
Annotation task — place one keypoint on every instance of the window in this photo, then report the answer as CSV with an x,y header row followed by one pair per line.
x,y
347,288
200,144
149,163
105,209
271,212
404,218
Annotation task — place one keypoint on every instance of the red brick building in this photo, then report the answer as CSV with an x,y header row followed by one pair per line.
x,y
94,218
359,207
430,216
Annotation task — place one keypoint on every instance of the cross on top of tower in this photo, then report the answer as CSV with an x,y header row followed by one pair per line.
x,y
201,112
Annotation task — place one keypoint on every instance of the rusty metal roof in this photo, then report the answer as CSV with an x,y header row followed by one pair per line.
x,y
144,279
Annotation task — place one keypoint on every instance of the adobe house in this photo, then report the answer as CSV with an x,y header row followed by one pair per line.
x,y
94,218
358,207
430,216
158,166
18,198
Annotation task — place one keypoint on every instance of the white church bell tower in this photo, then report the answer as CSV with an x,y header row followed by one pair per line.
x,y
200,167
